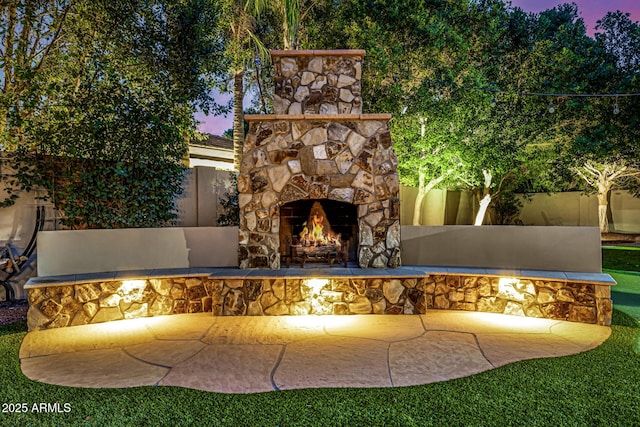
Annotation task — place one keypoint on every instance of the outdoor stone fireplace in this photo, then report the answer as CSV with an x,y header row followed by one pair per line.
x,y
318,147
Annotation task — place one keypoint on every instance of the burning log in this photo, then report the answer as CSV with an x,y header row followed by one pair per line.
x,y
317,231
317,241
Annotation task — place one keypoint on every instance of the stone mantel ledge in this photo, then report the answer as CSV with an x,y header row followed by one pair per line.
x,y
316,117
337,52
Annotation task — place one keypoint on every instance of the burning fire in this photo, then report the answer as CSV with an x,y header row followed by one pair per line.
x,y
316,236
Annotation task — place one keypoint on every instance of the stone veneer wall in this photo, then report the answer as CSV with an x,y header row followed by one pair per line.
x,y
318,146
317,82
79,304
345,158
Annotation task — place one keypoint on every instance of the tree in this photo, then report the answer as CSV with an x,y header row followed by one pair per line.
x,y
31,34
246,50
604,154
605,151
507,146
542,53
293,12
115,100
551,53
500,75
619,36
239,29
604,177
428,152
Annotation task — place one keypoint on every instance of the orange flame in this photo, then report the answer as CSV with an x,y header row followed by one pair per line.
x,y
316,236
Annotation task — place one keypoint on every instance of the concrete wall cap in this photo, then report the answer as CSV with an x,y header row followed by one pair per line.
x,y
331,117
337,52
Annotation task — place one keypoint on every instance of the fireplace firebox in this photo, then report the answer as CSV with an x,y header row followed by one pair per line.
x,y
324,231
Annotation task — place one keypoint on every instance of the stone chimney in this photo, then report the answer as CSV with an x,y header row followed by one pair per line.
x,y
317,82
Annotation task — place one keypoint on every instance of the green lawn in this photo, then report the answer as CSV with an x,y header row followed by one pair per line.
x,y
626,294
621,258
599,387
623,264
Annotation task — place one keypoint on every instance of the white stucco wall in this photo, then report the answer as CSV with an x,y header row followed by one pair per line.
x,y
509,247
92,251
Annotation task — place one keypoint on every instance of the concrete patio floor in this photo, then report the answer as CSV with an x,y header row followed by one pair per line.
x,y
258,354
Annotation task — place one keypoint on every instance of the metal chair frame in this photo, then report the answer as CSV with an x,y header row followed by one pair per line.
x,y
4,276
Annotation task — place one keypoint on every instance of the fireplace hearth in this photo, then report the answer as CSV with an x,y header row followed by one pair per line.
x,y
318,153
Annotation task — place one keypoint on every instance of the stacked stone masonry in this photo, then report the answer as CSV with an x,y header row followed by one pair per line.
x,y
61,306
318,147
349,161
317,82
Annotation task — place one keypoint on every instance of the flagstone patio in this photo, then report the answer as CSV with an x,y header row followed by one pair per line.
x,y
249,354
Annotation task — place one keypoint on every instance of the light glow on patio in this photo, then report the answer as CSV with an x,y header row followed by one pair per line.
x,y
512,324
314,321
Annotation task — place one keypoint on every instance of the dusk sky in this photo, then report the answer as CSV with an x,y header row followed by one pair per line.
x,y
590,10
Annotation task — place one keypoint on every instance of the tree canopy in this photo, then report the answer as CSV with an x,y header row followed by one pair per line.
x,y
501,78
98,101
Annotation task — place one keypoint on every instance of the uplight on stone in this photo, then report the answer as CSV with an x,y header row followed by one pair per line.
x,y
508,287
316,285
131,290
96,303
312,291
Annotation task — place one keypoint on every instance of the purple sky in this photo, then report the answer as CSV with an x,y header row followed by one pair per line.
x,y
216,125
590,11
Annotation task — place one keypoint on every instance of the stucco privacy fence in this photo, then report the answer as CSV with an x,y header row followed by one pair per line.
x,y
93,276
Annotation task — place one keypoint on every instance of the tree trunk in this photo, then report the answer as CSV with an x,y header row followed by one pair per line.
x,y
423,190
603,205
238,119
417,207
286,35
604,186
483,203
